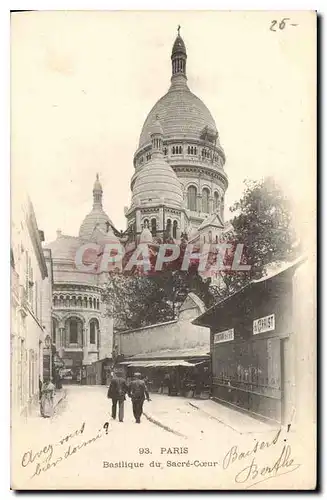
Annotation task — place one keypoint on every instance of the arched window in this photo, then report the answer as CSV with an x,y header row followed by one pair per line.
x,y
168,227
74,301
67,302
205,200
146,223
55,301
188,150
154,227
85,302
98,304
54,330
94,304
79,301
195,150
94,331
61,301
215,201
175,229
216,238
74,331
191,198
90,302
173,150
165,151
210,236
180,150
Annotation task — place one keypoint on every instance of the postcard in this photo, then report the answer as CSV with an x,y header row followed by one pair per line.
x,y
163,250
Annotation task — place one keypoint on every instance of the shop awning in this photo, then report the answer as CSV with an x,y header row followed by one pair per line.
x,y
157,363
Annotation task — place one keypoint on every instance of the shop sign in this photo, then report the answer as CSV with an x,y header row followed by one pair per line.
x,y
224,336
265,324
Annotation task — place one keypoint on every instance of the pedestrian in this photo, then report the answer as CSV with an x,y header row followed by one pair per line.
x,y
47,395
117,393
138,392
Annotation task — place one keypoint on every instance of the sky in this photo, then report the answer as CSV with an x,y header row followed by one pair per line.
x,y
82,84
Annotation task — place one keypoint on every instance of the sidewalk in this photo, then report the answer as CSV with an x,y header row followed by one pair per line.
x,y
197,418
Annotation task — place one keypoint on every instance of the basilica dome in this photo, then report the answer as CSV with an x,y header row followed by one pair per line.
x,y
181,114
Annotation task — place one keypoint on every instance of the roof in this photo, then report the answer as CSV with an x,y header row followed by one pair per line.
x,y
202,320
179,46
194,352
212,220
192,297
181,114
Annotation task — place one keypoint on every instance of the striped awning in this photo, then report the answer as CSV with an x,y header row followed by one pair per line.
x,y
157,363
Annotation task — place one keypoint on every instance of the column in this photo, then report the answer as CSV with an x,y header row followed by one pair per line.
x,y
138,221
85,345
199,202
210,204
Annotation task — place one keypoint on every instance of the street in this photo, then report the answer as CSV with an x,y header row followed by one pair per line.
x,y
82,447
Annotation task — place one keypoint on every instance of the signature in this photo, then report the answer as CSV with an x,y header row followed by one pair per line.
x,y
283,465
234,453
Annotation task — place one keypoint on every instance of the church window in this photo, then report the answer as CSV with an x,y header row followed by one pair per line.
x,y
195,150
165,151
210,236
55,301
145,223
94,304
85,302
180,150
216,238
61,301
188,150
191,198
173,150
98,304
73,331
205,200
79,302
67,302
90,302
175,229
215,201
94,327
74,301
154,227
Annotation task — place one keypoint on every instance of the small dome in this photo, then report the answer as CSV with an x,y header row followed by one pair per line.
x,y
156,182
96,218
65,247
146,236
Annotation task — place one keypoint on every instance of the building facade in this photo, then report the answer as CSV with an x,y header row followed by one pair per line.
x,y
256,347
31,285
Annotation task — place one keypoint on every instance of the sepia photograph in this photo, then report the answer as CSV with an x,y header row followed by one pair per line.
x,y
163,250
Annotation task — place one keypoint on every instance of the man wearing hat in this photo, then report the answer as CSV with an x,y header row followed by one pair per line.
x,y
138,392
117,392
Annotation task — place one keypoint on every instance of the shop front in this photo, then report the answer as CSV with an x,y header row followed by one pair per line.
x,y
253,348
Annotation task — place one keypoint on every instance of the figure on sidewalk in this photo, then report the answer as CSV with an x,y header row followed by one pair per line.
x,y
47,395
117,391
138,392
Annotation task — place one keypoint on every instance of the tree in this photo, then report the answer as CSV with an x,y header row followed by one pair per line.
x,y
263,223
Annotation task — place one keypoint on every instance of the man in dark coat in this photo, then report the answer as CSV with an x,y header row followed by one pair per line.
x,y
117,392
138,392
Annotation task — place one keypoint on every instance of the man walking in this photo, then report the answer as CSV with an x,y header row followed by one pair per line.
x,y
138,392
117,392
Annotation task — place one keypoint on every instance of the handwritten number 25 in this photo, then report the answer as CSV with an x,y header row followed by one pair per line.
x,y
280,26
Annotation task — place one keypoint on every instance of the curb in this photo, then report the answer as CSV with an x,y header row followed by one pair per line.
x,y
216,418
165,427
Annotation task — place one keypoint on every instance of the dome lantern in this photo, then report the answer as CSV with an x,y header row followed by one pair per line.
x,y
156,134
97,193
178,57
